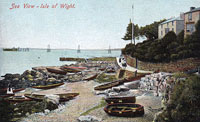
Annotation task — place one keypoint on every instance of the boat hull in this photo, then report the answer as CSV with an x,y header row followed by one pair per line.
x,y
48,86
18,99
128,99
91,77
109,85
56,71
124,110
63,97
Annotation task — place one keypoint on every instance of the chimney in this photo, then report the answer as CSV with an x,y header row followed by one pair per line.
x,y
191,8
182,15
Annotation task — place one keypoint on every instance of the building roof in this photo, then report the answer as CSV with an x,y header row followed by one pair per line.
x,y
193,10
172,19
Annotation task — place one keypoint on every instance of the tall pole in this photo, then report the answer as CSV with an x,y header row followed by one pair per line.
x,y
133,37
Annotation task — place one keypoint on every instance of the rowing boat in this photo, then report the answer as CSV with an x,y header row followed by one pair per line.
x,y
124,109
18,99
48,86
120,99
62,97
109,85
56,70
4,90
73,69
91,77
136,78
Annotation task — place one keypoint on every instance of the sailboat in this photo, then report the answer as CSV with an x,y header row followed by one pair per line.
x,y
48,48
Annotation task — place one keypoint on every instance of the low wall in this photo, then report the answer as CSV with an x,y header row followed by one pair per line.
x,y
176,66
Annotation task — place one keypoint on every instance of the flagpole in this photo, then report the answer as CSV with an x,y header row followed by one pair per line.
x,y
133,37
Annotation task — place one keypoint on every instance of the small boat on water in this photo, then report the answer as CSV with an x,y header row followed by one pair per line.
x,y
18,99
124,109
121,99
48,86
56,70
109,85
73,69
62,97
91,77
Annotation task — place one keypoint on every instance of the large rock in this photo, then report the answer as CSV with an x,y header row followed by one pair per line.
x,y
89,119
132,85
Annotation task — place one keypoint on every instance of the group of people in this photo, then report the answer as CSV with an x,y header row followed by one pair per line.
x,y
122,60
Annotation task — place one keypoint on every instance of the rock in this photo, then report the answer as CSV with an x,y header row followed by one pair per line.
x,y
101,92
89,119
113,94
46,111
52,98
51,80
132,85
116,89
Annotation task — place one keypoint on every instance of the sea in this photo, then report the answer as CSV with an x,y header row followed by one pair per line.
x,y
19,61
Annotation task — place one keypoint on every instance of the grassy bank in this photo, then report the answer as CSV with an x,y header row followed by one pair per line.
x,y
102,59
105,78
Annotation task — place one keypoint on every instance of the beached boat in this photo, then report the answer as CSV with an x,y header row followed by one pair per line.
x,y
4,90
121,99
124,109
110,71
109,85
56,70
91,77
62,97
6,95
18,99
79,68
48,86
135,78
73,69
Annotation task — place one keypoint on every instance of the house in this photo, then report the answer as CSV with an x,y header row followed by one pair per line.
x,y
190,19
175,24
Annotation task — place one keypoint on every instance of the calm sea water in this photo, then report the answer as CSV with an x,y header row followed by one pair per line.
x,y
18,61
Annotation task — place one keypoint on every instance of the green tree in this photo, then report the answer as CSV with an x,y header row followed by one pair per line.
x,y
128,35
150,31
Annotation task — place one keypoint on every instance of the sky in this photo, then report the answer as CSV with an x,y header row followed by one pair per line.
x,y
92,24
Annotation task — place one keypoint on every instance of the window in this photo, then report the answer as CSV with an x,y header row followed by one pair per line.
x,y
166,30
172,23
161,26
161,33
172,29
190,16
167,24
190,28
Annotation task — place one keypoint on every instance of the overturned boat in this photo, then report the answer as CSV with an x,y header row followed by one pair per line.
x,y
18,99
48,86
121,99
124,109
73,69
91,77
62,97
56,70
109,85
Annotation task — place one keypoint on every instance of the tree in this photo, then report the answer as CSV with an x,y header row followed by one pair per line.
x,y
150,31
128,35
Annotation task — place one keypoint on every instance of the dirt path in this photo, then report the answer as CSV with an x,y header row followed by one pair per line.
x,y
74,108
86,100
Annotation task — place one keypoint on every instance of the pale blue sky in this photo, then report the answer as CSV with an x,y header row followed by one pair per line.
x,y
92,24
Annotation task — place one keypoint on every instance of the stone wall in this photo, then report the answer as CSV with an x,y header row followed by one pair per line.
x,y
180,65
